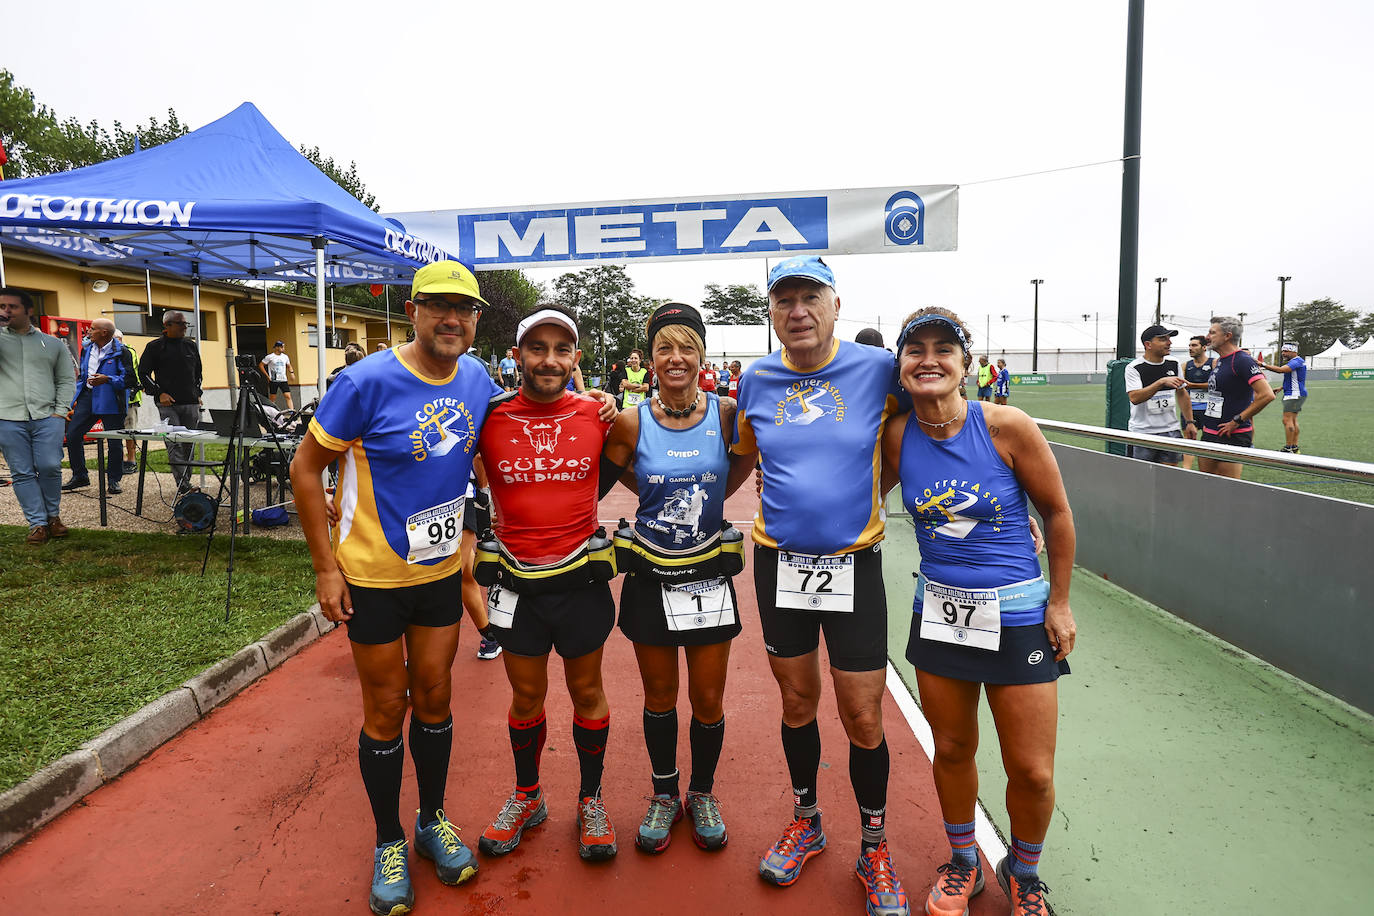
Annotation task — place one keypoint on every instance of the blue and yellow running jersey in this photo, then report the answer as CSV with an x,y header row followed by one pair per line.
x,y
818,435
407,445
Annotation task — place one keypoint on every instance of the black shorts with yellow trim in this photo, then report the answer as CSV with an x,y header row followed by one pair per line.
x,y
1024,656
855,641
575,622
644,620
381,615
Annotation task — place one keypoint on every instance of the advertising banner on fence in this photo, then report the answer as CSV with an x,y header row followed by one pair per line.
x,y
1030,378
854,221
1352,375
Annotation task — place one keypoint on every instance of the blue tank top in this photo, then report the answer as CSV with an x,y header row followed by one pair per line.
x,y
681,474
970,513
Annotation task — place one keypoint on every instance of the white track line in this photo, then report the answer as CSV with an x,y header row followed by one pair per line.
x,y
994,850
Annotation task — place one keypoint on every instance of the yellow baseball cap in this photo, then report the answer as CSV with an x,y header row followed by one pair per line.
x,y
446,277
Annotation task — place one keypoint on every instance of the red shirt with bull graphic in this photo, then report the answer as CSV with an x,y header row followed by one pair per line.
x,y
542,462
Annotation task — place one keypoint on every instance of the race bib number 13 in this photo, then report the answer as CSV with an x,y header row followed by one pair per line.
x,y
816,583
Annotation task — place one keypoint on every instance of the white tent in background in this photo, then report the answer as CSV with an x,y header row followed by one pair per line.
x,y
1361,357
1326,359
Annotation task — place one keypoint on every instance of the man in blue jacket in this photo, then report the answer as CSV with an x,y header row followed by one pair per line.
x,y
101,394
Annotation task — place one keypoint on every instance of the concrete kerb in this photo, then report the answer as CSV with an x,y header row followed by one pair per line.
x,y
64,782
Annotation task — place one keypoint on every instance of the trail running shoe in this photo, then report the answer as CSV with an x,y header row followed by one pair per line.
x,y
1027,899
488,648
391,894
957,884
595,835
655,833
519,814
883,894
453,861
708,829
782,864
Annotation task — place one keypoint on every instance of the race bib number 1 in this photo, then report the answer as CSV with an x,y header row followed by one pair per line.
x,y
501,606
698,605
963,616
816,583
435,532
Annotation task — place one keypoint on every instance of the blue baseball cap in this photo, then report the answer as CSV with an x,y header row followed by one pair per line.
x,y
809,266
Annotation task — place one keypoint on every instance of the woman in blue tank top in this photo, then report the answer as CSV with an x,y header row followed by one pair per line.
x,y
984,617
675,443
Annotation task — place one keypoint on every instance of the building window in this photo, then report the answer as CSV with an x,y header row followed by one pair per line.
x,y
133,318
335,338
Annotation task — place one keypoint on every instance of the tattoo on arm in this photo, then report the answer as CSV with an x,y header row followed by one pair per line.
x,y
994,430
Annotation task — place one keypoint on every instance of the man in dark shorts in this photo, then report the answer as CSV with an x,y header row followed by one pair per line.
x,y
541,447
1236,392
277,367
813,413
402,429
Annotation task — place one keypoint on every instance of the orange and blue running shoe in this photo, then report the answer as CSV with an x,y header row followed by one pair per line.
x,y
391,893
782,864
518,815
1027,897
595,835
883,894
957,884
655,832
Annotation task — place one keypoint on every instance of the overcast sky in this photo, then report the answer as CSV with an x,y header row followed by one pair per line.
x,y
1256,136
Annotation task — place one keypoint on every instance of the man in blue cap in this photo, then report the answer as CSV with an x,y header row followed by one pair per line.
x,y
813,414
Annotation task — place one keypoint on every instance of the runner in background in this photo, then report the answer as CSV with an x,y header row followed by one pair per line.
x,y
1196,371
984,617
635,388
1294,393
1002,386
677,591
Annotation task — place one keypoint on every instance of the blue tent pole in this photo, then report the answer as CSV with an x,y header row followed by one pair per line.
x,y
318,243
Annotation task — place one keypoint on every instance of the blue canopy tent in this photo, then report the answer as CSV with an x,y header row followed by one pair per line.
x,y
232,200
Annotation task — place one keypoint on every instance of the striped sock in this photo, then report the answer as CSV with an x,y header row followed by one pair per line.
x,y
1025,859
961,842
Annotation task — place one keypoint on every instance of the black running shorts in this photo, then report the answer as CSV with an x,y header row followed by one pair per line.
x,y
275,387
1025,657
856,641
381,615
573,622
643,619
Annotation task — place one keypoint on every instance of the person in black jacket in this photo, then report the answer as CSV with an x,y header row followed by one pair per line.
x,y
171,374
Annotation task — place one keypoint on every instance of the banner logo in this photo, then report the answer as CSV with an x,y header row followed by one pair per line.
x,y
906,219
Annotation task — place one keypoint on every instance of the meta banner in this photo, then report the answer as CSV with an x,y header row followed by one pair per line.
x,y
854,221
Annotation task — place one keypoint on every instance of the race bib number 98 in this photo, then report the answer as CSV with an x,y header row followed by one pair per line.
x,y
435,532
816,583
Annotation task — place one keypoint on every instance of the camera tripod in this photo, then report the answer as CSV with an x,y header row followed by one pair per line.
x,y
235,460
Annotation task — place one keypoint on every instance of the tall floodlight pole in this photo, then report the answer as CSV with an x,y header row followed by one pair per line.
x,y
1283,288
1035,328
1159,297
1130,181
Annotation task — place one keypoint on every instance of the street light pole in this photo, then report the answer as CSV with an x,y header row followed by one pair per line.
x,y
1283,288
1035,329
1159,296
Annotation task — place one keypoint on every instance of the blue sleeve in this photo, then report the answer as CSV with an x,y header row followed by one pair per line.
x,y
1296,363
341,414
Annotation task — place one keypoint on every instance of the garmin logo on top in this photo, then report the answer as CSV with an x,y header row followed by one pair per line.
x,y
665,229
408,246
97,210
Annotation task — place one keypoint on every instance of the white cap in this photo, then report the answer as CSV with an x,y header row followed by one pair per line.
x,y
544,316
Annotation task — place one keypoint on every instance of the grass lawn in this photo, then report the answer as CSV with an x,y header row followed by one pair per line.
x,y
157,458
1336,422
94,626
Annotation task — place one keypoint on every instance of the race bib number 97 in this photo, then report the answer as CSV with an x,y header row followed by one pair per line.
x,y
963,616
816,583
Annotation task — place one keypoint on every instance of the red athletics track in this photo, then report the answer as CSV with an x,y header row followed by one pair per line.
x,y
259,808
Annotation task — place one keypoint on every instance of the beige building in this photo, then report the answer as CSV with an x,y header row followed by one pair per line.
x,y
234,318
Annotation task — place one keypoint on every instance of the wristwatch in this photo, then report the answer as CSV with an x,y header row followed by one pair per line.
x,y
1238,420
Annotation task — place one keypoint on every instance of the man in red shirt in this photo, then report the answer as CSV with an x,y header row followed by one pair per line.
x,y
706,380
541,446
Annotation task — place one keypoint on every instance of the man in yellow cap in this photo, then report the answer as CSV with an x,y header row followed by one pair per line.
x,y
403,426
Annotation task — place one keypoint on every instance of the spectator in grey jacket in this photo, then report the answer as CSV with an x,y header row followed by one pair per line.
x,y
36,385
